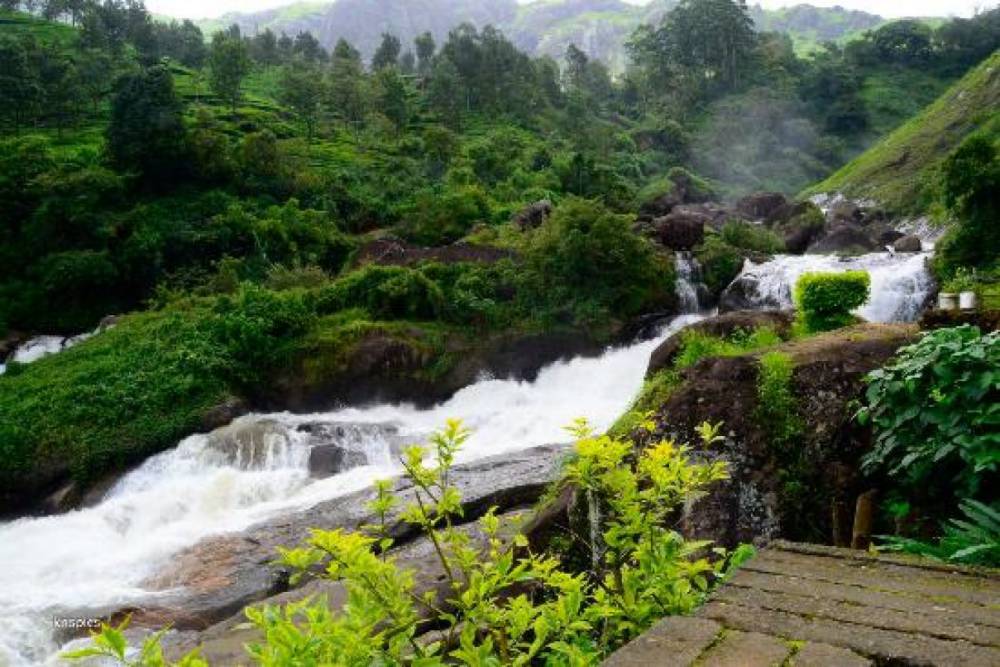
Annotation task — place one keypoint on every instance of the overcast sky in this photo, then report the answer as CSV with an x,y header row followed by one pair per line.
x,y
210,8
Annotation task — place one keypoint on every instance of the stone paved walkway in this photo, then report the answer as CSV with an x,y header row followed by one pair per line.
x,y
815,606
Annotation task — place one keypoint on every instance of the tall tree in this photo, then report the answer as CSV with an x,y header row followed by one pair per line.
x,y
387,53
301,88
229,65
146,130
393,96
20,90
308,48
424,44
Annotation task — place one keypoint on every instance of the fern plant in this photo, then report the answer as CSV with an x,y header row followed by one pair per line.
x,y
974,540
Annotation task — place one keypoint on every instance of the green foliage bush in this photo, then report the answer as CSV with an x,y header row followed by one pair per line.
x,y
586,259
935,411
752,237
776,408
972,193
505,603
720,263
973,540
390,292
825,300
438,218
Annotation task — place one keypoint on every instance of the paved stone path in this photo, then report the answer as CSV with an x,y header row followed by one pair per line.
x,y
815,606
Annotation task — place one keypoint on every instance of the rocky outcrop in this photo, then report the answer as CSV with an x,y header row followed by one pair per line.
x,y
781,489
761,205
217,577
722,326
394,252
392,365
909,243
680,230
533,215
844,238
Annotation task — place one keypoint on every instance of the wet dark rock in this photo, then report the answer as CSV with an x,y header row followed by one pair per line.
x,y
333,459
721,325
755,505
223,413
889,236
908,243
744,294
391,366
680,231
533,215
217,577
761,205
845,211
844,238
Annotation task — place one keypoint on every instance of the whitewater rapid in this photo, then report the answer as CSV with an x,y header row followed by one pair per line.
x,y
96,559
900,283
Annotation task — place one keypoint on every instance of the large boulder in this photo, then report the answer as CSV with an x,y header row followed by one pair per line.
x,y
845,210
533,215
798,224
844,238
909,243
680,231
761,205
217,577
774,489
722,326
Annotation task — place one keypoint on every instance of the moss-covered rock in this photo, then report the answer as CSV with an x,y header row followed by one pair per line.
x,y
780,486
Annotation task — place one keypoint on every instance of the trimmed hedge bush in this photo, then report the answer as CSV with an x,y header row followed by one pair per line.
x,y
825,300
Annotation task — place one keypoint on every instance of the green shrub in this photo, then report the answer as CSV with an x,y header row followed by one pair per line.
x,y
587,260
974,540
934,411
386,292
638,570
825,300
720,263
972,192
776,406
696,345
438,218
752,237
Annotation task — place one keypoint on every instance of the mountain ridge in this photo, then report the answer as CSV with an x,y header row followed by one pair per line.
x,y
544,27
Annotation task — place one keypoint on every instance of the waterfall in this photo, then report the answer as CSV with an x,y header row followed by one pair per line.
x,y
689,287
41,346
900,283
97,558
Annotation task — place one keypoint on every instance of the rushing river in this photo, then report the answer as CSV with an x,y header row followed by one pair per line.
x,y
97,558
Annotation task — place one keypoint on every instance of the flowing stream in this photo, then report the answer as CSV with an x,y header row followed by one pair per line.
x,y
900,284
95,559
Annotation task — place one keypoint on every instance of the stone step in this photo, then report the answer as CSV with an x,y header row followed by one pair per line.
x,y
815,606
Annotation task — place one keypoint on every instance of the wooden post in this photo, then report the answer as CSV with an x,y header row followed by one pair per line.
x,y
841,523
864,515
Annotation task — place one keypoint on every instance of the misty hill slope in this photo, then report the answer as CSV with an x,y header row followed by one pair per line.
x,y
899,171
545,27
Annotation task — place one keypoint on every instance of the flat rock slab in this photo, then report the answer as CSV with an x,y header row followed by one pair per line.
x,y
816,606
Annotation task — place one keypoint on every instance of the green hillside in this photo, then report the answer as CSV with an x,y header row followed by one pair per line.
x,y
901,170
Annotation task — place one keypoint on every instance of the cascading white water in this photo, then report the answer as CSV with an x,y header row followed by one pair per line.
x,y
257,467
900,283
688,282
41,346
97,558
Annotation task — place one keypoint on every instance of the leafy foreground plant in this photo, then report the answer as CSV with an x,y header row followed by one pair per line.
x,y
504,604
974,540
935,412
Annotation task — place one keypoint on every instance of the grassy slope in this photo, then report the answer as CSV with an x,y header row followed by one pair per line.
x,y
900,171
